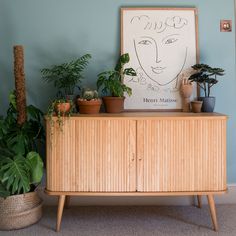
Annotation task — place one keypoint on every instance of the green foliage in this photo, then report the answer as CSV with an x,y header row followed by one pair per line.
x,y
20,166
52,110
36,167
206,77
18,172
22,139
65,77
14,174
111,82
3,192
89,94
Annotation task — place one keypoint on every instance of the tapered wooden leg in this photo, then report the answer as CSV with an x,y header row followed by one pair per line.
x,y
199,201
211,203
61,203
67,203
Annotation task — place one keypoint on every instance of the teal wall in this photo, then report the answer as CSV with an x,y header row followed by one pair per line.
x,y
54,31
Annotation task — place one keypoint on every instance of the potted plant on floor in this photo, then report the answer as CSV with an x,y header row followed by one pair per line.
x,y
21,167
89,102
111,83
206,77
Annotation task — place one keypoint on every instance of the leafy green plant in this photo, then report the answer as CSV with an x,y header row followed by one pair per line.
x,y
21,167
53,111
65,77
111,82
22,139
18,172
205,77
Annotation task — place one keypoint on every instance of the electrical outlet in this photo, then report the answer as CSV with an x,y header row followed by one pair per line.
x,y
225,25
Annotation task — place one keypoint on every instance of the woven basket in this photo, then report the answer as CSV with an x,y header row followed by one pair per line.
x,y
19,211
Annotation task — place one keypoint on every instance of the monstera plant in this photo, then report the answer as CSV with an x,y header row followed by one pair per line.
x,y
21,167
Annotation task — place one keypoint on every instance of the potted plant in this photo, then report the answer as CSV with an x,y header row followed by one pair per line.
x,y
67,76
206,77
111,83
89,102
60,108
21,167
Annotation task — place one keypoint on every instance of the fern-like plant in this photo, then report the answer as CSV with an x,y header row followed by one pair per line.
x,y
65,77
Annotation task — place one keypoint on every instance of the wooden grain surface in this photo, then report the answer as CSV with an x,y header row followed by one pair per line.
x,y
148,152
92,155
131,194
181,155
147,115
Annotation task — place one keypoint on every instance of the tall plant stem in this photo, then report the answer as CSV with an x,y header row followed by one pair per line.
x,y
20,84
205,90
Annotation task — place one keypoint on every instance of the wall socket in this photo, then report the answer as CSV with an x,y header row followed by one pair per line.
x,y
225,25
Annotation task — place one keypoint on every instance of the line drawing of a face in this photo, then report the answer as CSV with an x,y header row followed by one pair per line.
x,y
153,50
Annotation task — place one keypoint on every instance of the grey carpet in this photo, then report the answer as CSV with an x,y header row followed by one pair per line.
x,y
138,221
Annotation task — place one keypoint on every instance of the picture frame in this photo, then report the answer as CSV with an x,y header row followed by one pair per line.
x,y
163,45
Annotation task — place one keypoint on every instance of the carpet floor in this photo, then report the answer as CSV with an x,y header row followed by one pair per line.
x,y
133,221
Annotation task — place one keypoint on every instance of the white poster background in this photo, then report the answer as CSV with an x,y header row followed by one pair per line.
x,y
162,47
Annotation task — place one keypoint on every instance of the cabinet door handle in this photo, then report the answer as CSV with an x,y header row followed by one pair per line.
x,y
133,157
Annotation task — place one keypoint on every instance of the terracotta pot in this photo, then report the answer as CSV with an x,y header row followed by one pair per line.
x,y
114,104
63,107
19,211
89,107
196,106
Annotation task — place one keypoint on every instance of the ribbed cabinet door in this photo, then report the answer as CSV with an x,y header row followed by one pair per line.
x,y
181,155
92,156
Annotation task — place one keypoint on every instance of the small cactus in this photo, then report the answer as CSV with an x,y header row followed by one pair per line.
x,y
89,94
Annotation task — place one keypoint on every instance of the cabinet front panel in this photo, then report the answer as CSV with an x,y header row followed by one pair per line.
x,y
181,155
92,155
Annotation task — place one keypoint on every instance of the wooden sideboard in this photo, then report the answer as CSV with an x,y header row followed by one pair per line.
x,y
137,154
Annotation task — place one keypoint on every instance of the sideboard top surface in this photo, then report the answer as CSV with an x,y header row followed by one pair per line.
x,y
150,115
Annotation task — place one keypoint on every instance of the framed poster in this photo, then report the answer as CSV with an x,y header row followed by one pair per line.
x,y
163,45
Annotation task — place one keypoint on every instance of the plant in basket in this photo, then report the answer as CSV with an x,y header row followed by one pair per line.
x,y
21,167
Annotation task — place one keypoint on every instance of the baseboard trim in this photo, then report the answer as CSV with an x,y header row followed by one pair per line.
x,y
228,198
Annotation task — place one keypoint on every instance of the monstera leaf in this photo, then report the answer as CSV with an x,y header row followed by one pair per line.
x,y
3,192
14,174
36,167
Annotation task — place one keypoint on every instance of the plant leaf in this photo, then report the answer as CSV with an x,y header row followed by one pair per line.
x,y
15,174
36,167
3,191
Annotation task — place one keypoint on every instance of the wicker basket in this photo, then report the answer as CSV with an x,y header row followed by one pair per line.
x,y
19,211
